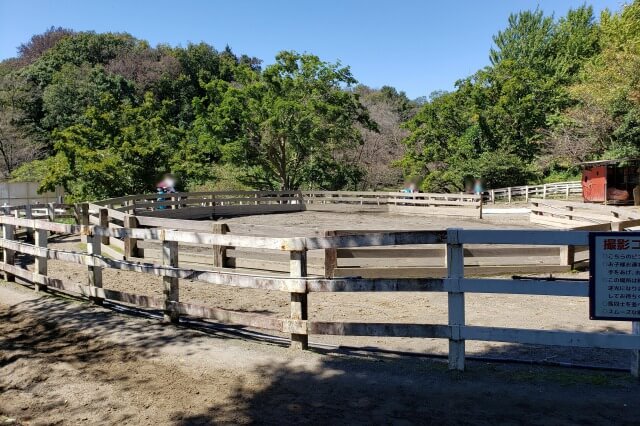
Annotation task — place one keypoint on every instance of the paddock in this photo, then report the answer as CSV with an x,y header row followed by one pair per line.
x,y
452,295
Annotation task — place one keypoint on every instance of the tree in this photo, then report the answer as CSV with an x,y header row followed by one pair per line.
x,y
17,144
122,149
278,126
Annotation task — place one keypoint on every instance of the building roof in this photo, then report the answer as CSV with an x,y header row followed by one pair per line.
x,y
609,162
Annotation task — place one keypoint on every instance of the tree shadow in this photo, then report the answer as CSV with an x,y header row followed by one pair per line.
x,y
377,390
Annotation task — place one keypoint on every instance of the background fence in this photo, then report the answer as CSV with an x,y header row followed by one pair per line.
x,y
23,193
526,192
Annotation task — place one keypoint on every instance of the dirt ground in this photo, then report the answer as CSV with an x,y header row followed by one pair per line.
x,y
67,362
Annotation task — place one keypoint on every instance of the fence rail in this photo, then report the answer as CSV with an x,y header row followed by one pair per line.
x,y
299,283
526,192
198,205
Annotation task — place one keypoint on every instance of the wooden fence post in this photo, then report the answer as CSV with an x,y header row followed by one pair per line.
x,y
84,220
220,252
455,271
544,191
635,357
103,215
567,255
171,290
298,265
526,193
509,195
94,247
493,196
41,236
28,214
330,257
8,232
131,244
51,212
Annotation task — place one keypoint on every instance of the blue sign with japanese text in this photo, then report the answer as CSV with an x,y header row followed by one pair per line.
x,y
614,279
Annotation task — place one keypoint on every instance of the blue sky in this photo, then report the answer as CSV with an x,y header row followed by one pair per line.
x,y
415,46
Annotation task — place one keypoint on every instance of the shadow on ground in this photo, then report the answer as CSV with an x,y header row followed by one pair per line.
x,y
325,386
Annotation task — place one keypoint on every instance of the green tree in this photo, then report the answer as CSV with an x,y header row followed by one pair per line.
x,y
295,115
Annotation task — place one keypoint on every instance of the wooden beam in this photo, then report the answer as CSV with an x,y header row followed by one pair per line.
x,y
41,261
171,290
8,232
220,251
94,248
455,298
299,300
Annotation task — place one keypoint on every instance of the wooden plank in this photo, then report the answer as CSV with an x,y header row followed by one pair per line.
x,y
445,211
40,261
220,251
375,285
438,272
575,288
455,299
171,290
233,317
377,239
378,329
330,257
298,261
8,255
94,271
556,338
517,236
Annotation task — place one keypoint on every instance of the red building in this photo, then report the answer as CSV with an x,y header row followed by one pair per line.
x,y
609,181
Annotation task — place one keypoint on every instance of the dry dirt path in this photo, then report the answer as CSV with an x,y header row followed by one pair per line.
x,y
67,362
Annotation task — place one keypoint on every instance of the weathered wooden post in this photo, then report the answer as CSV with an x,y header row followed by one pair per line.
x,y
330,257
94,247
84,220
220,252
298,269
544,191
131,244
103,216
8,232
51,212
28,214
635,354
509,195
526,193
41,236
171,290
455,271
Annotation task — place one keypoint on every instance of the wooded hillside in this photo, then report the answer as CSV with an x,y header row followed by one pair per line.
x,y
108,114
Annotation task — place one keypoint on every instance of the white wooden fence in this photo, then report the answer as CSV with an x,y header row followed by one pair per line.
x,y
298,283
22,193
556,190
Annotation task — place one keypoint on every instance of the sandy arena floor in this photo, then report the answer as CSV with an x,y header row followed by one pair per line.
x,y
68,363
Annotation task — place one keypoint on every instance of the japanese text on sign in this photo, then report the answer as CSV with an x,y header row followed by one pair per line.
x,y
614,286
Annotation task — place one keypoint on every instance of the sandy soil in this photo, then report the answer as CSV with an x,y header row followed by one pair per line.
x,y
535,312
66,362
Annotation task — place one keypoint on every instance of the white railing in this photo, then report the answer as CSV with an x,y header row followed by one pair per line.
x,y
525,192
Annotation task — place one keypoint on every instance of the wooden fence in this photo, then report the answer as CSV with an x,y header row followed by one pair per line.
x,y
566,214
201,205
298,283
526,192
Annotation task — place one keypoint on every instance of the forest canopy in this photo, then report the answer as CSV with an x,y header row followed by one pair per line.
x,y
106,114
